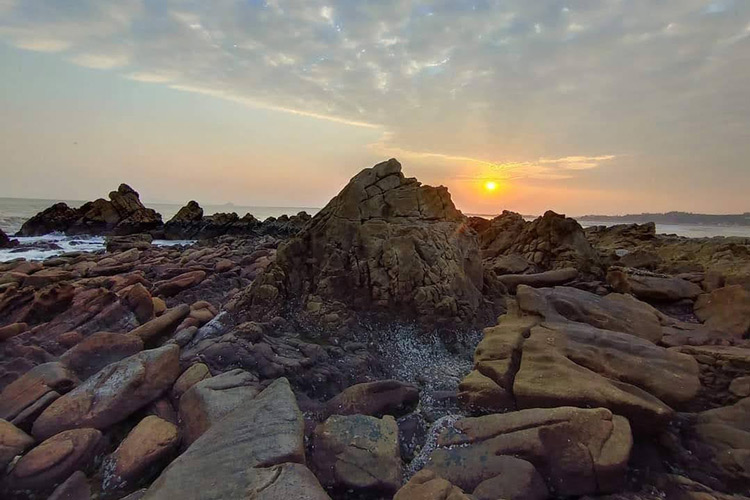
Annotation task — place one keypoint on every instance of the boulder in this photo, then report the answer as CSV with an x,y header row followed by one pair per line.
x,y
358,452
173,286
76,487
10,331
139,300
539,280
564,363
385,244
726,309
54,460
99,350
653,288
616,312
140,241
256,451
384,397
161,324
113,394
426,485
24,398
577,451
55,219
5,242
45,277
13,442
524,483
209,400
190,377
141,455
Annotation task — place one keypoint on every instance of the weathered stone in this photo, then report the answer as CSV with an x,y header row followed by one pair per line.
x,y
162,324
113,393
246,455
76,487
13,442
140,302
10,331
190,377
99,350
524,483
383,397
726,310
171,287
653,288
38,384
479,393
209,400
546,279
358,452
740,387
141,454
577,451
426,485
55,460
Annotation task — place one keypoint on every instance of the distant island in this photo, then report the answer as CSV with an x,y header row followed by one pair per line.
x,y
674,218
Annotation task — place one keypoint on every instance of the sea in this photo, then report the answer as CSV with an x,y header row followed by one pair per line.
x,y
15,211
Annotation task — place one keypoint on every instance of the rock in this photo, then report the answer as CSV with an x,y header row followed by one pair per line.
x,y
190,377
139,300
142,454
45,277
524,483
6,242
56,218
545,279
140,241
653,288
162,324
159,306
384,397
256,451
192,212
99,350
426,485
358,452
10,331
209,400
113,393
617,312
171,287
740,387
385,244
28,395
55,460
13,442
480,394
562,363
76,487
577,451
726,310
550,242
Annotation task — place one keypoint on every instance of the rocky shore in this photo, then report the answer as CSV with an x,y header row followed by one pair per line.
x,y
388,347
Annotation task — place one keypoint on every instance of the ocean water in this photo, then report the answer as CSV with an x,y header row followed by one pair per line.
x,y
15,211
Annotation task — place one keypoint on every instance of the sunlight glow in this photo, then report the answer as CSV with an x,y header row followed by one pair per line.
x,y
490,185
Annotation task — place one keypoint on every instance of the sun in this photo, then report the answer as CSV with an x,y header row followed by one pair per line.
x,y
490,185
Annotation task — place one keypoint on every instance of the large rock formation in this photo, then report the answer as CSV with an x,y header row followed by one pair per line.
x,y
6,242
386,243
122,214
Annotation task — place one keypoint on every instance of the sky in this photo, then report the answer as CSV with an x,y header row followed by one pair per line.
x,y
579,106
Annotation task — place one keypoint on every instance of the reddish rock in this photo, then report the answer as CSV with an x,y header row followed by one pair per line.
x,y
162,324
10,331
384,397
113,394
189,378
141,454
98,351
171,287
426,485
47,303
139,301
224,265
13,442
34,390
55,460
159,306
726,310
47,277
69,339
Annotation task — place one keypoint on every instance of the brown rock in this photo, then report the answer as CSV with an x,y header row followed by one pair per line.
x,y
41,384
740,387
46,277
13,442
76,487
384,397
546,279
726,310
10,331
524,483
171,287
653,288
140,302
358,452
426,485
161,325
113,393
55,460
141,454
98,351
159,306
189,378
577,451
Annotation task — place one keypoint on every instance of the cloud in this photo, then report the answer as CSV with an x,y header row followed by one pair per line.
x,y
531,88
